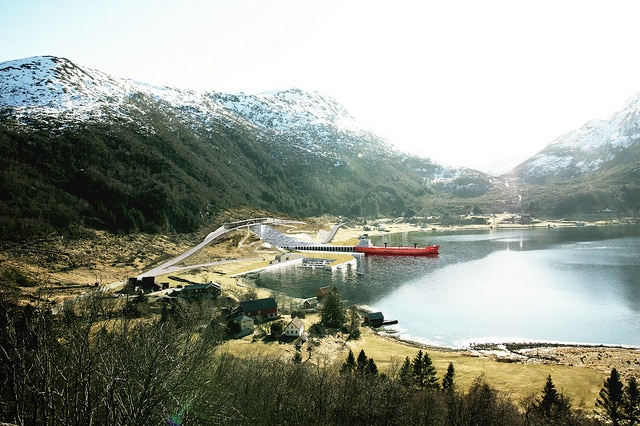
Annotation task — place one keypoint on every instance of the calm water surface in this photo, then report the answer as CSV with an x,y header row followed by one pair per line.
x,y
572,285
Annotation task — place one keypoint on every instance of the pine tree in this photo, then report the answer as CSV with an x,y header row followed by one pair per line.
x,y
424,372
610,401
418,370
354,324
447,380
549,397
406,372
333,312
361,362
350,364
372,368
552,406
430,373
631,406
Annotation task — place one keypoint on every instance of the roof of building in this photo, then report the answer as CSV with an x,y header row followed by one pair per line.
x,y
324,290
374,316
259,304
197,287
242,317
297,323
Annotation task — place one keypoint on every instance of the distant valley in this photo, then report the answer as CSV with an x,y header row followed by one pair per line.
x,y
82,148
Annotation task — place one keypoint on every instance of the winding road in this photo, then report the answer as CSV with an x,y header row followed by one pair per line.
x,y
169,266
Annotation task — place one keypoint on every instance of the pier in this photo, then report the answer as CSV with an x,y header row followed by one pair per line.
x,y
336,249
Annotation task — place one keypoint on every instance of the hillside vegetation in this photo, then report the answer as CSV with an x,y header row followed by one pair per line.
x,y
96,364
82,148
121,180
116,178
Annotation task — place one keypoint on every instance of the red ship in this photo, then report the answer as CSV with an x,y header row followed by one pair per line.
x,y
366,247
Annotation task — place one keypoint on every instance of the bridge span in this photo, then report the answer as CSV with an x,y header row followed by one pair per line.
x,y
169,266
335,249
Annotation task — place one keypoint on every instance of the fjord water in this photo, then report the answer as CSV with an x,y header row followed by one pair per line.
x,y
568,285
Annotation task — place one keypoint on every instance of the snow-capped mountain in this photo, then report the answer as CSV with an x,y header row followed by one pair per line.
x,y
128,155
52,89
80,146
598,145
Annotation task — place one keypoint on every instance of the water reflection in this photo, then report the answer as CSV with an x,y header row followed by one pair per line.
x,y
570,285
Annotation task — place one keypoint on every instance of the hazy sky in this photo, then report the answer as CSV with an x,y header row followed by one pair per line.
x,y
471,83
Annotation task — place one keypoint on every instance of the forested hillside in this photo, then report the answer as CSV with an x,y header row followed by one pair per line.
x,y
114,177
82,148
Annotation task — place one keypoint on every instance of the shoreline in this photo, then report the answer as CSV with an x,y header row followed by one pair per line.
x,y
346,235
394,226
600,357
508,345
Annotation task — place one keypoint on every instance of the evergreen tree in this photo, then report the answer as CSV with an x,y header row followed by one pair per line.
x,y
447,380
552,407
424,372
406,372
350,364
631,406
361,362
354,324
372,368
333,312
418,370
430,370
549,397
610,401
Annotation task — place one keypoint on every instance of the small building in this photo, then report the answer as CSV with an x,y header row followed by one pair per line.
x,y
525,219
199,291
260,309
295,328
148,285
245,324
323,292
310,303
374,319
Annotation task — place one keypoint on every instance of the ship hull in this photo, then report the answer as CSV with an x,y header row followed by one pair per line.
x,y
398,251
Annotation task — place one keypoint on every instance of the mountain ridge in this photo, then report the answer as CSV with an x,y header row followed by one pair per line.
x,y
596,144
126,156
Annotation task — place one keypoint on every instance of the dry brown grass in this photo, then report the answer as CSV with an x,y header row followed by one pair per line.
x,y
518,380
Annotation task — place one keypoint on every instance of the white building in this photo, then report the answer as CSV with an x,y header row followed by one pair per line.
x,y
295,328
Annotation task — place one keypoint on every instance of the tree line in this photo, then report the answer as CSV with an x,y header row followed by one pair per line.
x,y
94,363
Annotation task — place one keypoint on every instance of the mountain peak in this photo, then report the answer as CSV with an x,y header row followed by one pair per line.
x,y
48,86
588,148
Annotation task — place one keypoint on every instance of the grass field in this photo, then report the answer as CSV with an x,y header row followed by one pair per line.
x,y
519,380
